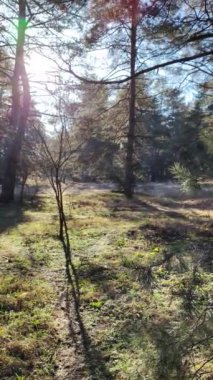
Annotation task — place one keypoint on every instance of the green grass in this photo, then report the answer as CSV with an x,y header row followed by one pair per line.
x,y
144,270
27,332
145,324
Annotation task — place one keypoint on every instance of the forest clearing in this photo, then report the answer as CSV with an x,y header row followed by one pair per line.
x,y
139,305
106,189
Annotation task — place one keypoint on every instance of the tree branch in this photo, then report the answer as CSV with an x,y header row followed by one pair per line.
x,y
143,71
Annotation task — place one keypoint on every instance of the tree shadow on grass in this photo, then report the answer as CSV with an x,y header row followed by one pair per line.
x,y
164,352
103,278
173,343
93,358
132,209
155,338
199,203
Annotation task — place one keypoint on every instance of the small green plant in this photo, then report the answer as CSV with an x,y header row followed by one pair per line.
x,y
154,252
121,242
135,260
96,304
18,377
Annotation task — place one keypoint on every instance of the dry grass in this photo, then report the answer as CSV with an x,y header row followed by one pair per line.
x,y
144,271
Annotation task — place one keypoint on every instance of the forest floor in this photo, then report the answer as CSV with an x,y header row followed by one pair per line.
x,y
138,305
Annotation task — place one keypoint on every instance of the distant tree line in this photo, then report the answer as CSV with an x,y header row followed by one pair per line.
x,y
136,124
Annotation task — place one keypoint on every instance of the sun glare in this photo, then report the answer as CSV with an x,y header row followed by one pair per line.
x,y
41,73
39,67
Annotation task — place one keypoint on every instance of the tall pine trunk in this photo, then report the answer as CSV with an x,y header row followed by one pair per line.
x,y
20,109
129,181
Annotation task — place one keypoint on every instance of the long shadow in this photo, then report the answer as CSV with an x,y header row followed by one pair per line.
x,y
157,205
200,203
93,358
169,364
122,209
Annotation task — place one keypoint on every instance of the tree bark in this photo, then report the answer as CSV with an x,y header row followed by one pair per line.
x,y
129,181
20,109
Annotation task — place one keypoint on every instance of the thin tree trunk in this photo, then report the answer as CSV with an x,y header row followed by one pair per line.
x,y
20,110
23,183
129,180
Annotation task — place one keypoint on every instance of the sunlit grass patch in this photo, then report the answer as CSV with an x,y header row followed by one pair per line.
x,y
133,322
27,332
27,327
135,262
36,227
116,242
